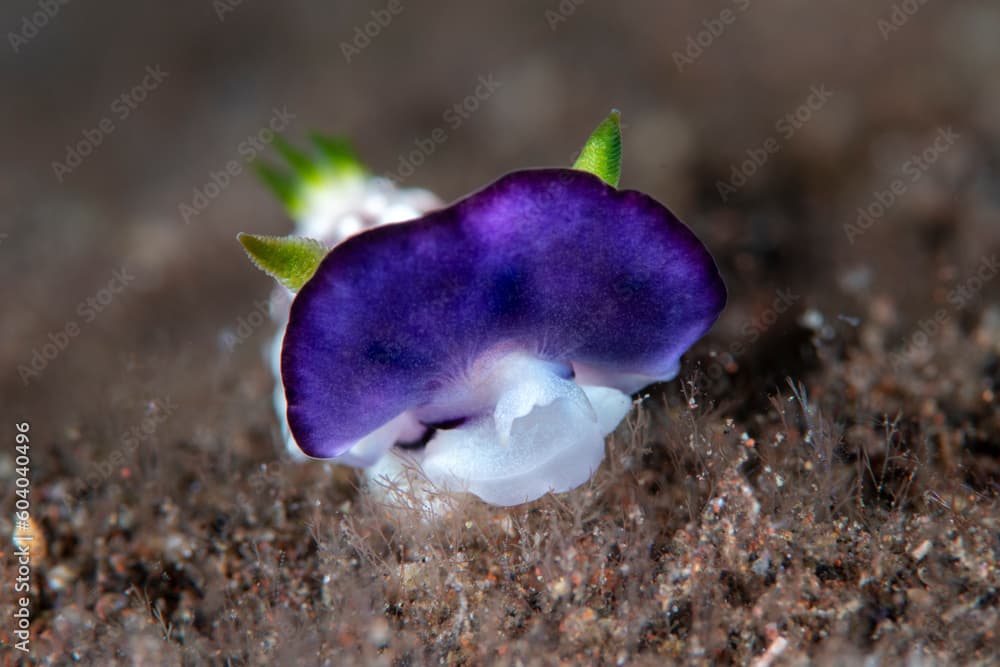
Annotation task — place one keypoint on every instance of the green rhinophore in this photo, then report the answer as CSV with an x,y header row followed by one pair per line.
x,y
337,154
602,154
291,260
331,159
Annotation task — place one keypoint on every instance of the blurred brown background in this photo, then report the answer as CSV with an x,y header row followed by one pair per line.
x,y
561,66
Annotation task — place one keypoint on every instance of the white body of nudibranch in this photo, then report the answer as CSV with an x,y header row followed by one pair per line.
x,y
332,211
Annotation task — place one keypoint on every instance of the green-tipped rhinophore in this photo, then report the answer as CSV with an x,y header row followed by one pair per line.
x,y
337,154
284,186
302,165
602,154
330,160
291,260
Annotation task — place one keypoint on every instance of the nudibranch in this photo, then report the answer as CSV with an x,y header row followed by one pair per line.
x,y
493,343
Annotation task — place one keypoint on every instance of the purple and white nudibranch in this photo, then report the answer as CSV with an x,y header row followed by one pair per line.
x,y
492,344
